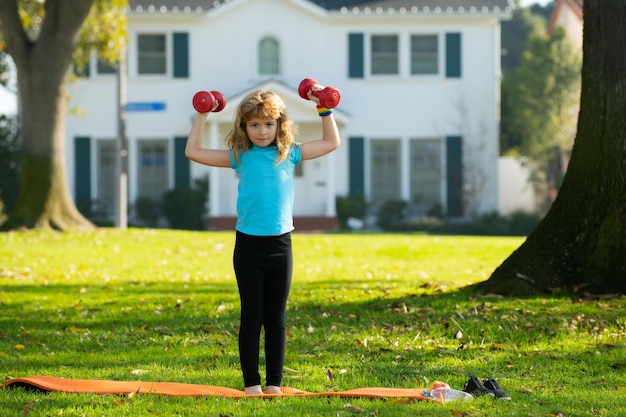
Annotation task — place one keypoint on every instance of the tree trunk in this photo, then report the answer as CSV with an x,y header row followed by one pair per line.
x,y
580,245
44,199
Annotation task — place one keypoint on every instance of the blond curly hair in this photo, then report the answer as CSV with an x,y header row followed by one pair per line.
x,y
264,105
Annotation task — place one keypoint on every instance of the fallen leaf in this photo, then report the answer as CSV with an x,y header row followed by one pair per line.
x,y
139,371
76,329
353,408
526,390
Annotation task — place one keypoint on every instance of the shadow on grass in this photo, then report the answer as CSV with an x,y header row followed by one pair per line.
x,y
379,339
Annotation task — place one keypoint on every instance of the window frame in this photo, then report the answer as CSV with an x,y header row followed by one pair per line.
x,y
435,197
384,56
105,175
373,174
163,55
264,61
436,53
166,164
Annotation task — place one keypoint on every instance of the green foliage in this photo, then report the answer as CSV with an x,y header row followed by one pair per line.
x,y
365,311
392,215
4,68
492,224
104,29
184,207
147,211
395,215
541,96
515,33
93,210
353,205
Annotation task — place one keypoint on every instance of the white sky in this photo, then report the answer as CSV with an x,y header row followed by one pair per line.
x,y
8,101
526,3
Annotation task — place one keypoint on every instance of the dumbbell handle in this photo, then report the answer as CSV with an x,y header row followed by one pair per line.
x,y
204,101
328,96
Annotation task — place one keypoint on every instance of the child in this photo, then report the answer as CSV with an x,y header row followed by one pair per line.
x,y
263,152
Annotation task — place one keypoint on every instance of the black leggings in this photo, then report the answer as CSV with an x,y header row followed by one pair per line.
x,y
263,267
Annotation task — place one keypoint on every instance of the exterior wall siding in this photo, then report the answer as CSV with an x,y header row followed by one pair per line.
x,y
313,43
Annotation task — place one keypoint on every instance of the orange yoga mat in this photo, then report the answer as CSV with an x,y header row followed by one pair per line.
x,y
94,386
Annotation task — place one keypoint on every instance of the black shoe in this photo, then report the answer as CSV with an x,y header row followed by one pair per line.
x,y
492,385
473,386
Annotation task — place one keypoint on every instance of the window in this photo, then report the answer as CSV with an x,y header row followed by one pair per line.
x,y
385,170
426,174
424,54
269,57
153,174
106,177
384,54
104,67
151,54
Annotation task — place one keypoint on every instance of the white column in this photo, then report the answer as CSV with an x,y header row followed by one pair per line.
x,y
405,170
330,185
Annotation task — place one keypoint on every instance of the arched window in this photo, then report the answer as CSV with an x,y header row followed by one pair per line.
x,y
268,56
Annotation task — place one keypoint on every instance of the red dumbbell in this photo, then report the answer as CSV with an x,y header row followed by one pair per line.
x,y
329,96
204,101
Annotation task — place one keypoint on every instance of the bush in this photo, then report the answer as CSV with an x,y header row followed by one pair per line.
x,y
491,224
353,205
147,210
93,210
392,215
184,207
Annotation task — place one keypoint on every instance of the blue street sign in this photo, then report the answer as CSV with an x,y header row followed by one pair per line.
x,y
145,106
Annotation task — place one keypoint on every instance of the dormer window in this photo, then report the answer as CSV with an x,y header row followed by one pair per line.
x,y
269,57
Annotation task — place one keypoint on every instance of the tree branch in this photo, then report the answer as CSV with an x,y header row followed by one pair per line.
x,y
15,38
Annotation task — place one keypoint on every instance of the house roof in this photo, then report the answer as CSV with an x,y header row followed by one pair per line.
x,y
458,6
576,6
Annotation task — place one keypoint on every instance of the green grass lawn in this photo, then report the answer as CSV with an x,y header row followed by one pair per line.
x,y
380,310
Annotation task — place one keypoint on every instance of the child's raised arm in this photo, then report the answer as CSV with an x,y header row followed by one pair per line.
x,y
329,142
195,151
326,99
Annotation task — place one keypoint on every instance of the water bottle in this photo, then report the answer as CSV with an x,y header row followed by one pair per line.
x,y
445,394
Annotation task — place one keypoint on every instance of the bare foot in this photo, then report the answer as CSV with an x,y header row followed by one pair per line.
x,y
273,389
253,390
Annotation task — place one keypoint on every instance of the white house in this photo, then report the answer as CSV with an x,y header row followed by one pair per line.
x,y
418,117
569,15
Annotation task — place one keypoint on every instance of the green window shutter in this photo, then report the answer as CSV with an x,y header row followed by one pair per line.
x,y
181,163
356,164
356,55
82,170
454,171
181,55
453,55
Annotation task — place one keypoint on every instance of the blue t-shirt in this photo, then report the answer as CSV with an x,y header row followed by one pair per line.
x,y
266,190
